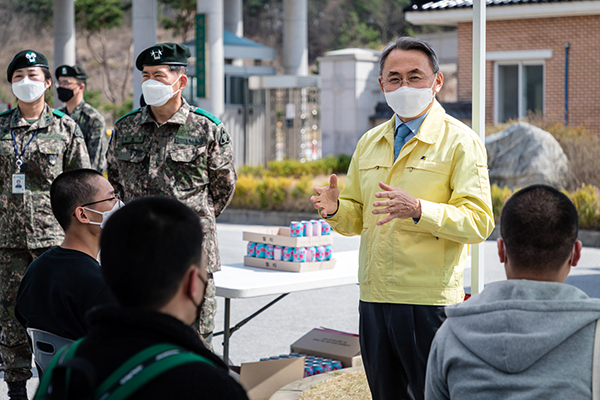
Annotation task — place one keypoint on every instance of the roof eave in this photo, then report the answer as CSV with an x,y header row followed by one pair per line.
x,y
452,17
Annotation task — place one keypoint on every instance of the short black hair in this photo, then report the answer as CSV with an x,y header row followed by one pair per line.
x,y
409,43
539,226
69,190
147,246
47,74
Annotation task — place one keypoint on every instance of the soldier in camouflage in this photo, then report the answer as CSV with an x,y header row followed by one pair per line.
x,y
171,148
37,143
71,85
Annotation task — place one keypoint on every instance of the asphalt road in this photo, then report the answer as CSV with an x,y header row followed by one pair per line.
x,y
272,332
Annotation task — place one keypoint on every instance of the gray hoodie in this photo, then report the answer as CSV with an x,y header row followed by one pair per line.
x,y
518,339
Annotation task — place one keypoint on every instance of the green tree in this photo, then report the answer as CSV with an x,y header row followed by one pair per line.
x,y
40,11
95,18
180,17
387,16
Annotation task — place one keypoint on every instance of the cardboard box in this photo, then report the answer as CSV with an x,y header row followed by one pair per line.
x,y
328,343
281,237
288,265
262,379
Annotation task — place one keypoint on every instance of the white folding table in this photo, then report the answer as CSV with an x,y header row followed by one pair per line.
x,y
239,282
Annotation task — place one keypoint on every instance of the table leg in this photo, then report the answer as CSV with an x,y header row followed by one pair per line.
x,y
226,332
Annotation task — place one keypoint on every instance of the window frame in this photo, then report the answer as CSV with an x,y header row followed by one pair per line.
x,y
522,113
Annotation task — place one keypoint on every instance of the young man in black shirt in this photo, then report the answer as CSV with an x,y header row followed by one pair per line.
x,y
64,283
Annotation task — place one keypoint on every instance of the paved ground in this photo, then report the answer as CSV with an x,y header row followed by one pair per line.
x,y
272,332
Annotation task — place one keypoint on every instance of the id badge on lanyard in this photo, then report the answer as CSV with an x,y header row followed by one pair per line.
x,y
18,179
18,183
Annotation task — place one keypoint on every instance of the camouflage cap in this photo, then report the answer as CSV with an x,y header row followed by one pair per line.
x,y
25,58
75,71
164,53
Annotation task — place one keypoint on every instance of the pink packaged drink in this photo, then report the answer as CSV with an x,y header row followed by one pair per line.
x,y
328,251
278,253
261,250
296,229
270,251
299,254
325,228
288,254
320,253
308,228
317,227
310,254
251,249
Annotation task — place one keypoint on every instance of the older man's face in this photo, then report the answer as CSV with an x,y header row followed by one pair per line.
x,y
408,67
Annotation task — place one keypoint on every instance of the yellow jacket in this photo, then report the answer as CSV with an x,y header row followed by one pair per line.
x,y
445,166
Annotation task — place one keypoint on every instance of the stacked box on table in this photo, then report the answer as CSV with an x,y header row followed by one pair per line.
x,y
280,236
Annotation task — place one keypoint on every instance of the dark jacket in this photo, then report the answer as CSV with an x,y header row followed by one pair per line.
x,y
116,334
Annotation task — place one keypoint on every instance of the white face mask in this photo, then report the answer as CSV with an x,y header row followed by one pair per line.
x,y
157,93
409,102
105,215
27,90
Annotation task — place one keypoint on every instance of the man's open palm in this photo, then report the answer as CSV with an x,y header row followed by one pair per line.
x,y
326,198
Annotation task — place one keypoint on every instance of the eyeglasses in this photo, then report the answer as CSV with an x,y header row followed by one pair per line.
x,y
412,81
66,85
116,196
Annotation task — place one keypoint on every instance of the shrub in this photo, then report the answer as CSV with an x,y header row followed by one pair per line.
x,y
271,193
499,197
585,200
297,169
245,193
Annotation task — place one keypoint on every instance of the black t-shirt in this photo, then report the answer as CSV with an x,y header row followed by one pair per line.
x,y
58,289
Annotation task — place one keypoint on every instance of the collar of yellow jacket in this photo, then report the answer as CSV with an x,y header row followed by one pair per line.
x,y
430,129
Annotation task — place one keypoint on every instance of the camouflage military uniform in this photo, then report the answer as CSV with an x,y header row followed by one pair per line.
x,y
188,157
27,226
93,127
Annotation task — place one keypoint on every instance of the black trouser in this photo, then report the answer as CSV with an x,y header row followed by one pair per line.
x,y
395,340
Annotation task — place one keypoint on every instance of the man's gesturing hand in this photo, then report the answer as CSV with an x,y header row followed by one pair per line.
x,y
326,197
399,204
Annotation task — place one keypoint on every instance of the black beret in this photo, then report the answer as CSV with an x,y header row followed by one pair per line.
x,y
26,58
75,71
164,53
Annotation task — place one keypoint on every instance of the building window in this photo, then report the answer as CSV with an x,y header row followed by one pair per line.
x,y
519,90
235,89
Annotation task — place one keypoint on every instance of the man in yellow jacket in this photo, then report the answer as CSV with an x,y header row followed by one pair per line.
x,y
418,192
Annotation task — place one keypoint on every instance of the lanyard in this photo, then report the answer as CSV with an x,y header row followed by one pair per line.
x,y
20,157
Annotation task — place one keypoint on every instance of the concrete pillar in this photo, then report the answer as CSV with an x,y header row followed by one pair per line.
x,y
215,96
295,37
234,22
234,17
64,36
144,35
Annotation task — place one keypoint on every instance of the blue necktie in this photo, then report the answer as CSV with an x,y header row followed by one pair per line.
x,y
401,133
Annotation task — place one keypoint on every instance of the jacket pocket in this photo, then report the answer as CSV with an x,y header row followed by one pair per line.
x,y
187,164
131,153
427,180
372,171
50,157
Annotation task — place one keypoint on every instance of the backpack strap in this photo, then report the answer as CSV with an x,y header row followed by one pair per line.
x,y
63,355
130,376
143,367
